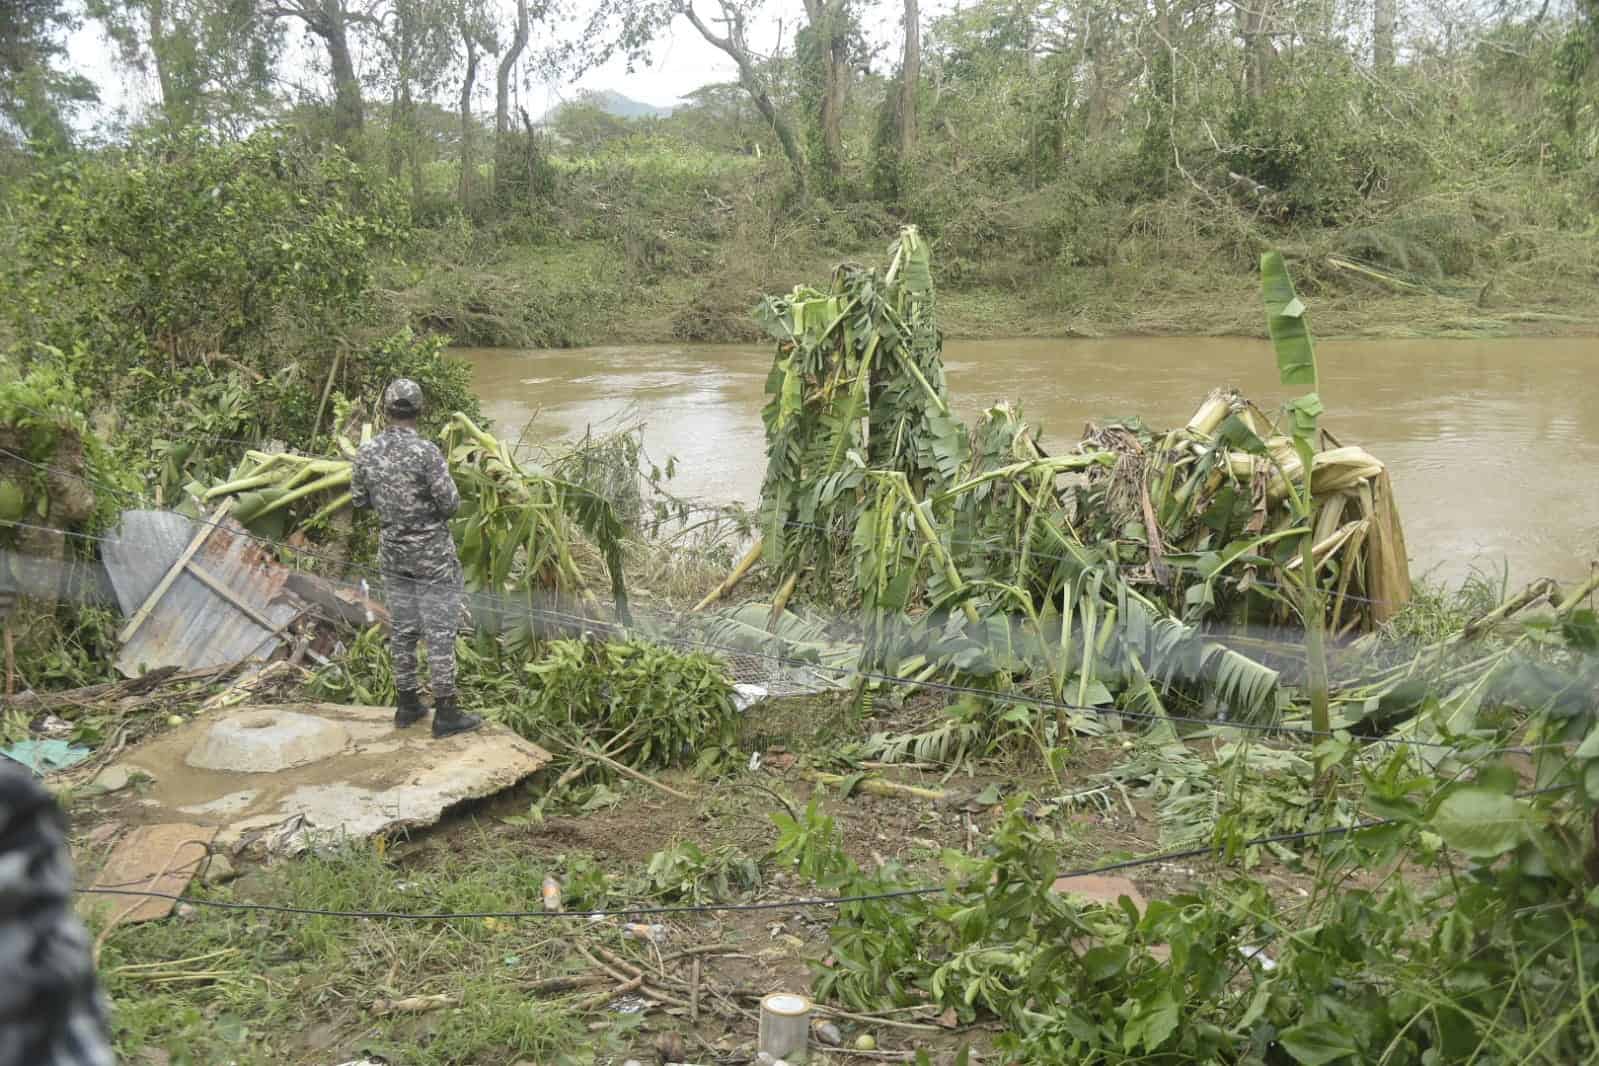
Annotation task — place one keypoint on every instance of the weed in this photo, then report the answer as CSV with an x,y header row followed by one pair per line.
x,y
688,874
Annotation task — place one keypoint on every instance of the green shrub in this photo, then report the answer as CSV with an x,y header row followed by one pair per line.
x,y
672,706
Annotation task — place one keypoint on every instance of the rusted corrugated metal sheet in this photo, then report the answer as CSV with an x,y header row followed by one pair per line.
x,y
192,625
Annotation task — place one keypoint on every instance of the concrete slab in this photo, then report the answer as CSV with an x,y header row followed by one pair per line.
x,y
153,858
379,779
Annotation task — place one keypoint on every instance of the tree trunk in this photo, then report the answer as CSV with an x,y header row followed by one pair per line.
x,y
1385,14
1258,51
910,76
412,131
750,78
396,152
829,24
466,120
155,15
347,109
780,125
502,101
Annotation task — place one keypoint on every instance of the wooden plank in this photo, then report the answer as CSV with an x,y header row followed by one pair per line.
x,y
205,530
152,858
212,582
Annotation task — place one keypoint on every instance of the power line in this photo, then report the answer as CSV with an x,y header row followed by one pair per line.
x,y
1265,729
718,908
1261,728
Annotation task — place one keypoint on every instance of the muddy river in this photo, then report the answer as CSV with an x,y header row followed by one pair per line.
x,y
1493,444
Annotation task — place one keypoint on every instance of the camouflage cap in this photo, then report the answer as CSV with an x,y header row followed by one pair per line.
x,y
403,397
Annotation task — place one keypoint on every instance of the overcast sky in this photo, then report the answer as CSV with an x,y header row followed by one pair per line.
x,y
681,62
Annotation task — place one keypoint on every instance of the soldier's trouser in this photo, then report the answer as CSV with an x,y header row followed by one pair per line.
x,y
424,603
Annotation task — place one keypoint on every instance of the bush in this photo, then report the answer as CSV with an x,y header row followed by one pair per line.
x,y
670,704
214,292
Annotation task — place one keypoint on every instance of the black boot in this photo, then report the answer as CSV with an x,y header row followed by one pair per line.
x,y
408,709
448,719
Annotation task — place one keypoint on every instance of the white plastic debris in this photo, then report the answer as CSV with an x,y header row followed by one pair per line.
x,y
747,696
1253,954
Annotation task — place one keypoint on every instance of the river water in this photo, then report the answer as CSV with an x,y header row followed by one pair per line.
x,y
1493,444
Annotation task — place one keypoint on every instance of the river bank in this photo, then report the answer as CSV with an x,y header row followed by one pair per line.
x,y
584,293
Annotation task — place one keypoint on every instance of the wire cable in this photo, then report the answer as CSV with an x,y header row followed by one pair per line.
x,y
721,908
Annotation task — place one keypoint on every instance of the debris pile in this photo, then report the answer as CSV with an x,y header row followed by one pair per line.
x,y
976,555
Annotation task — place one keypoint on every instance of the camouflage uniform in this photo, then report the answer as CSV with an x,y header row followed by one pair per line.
x,y
51,1011
406,480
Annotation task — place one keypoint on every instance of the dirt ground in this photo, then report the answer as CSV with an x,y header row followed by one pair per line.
x,y
707,973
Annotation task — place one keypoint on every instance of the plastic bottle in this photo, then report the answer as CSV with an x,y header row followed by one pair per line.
x,y
552,894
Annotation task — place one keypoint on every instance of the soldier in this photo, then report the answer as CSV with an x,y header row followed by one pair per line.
x,y
406,480
51,1011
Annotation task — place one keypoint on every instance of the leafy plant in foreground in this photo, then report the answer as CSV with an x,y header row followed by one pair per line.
x,y
649,705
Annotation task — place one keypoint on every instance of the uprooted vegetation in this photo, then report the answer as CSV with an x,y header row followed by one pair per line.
x,y
1021,666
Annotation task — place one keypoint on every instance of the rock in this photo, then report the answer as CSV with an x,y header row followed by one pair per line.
x,y
113,779
827,1033
1104,890
219,871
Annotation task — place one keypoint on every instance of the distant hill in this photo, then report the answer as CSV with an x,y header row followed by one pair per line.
x,y
613,103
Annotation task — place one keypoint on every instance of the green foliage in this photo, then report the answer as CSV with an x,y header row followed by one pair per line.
x,y
60,472
210,292
655,706
185,247
686,873
1413,975
1324,146
811,844
517,526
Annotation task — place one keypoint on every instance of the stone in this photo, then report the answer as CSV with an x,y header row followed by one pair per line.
x,y
219,870
1105,890
113,779
265,741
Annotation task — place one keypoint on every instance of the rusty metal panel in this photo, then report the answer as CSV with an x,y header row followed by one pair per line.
x,y
192,626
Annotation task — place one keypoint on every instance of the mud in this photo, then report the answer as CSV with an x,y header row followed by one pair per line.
x,y
378,779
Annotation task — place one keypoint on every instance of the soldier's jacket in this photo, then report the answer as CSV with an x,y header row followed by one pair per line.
x,y
406,480
51,1012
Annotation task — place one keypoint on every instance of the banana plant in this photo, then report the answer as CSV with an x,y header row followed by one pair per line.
x,y
518,530
1296,365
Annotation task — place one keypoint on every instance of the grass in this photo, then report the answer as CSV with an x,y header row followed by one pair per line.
x,y
1437,612
255,980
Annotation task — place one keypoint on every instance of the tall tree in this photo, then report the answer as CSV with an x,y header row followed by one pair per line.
x,y
213,59
910,76
418,37
330,20
35,94
824,47
477,36
1385,13
502,102
1254,27
735,45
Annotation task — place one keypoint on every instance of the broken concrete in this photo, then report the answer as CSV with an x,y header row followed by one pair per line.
x,y
376,779
152,858
267,741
